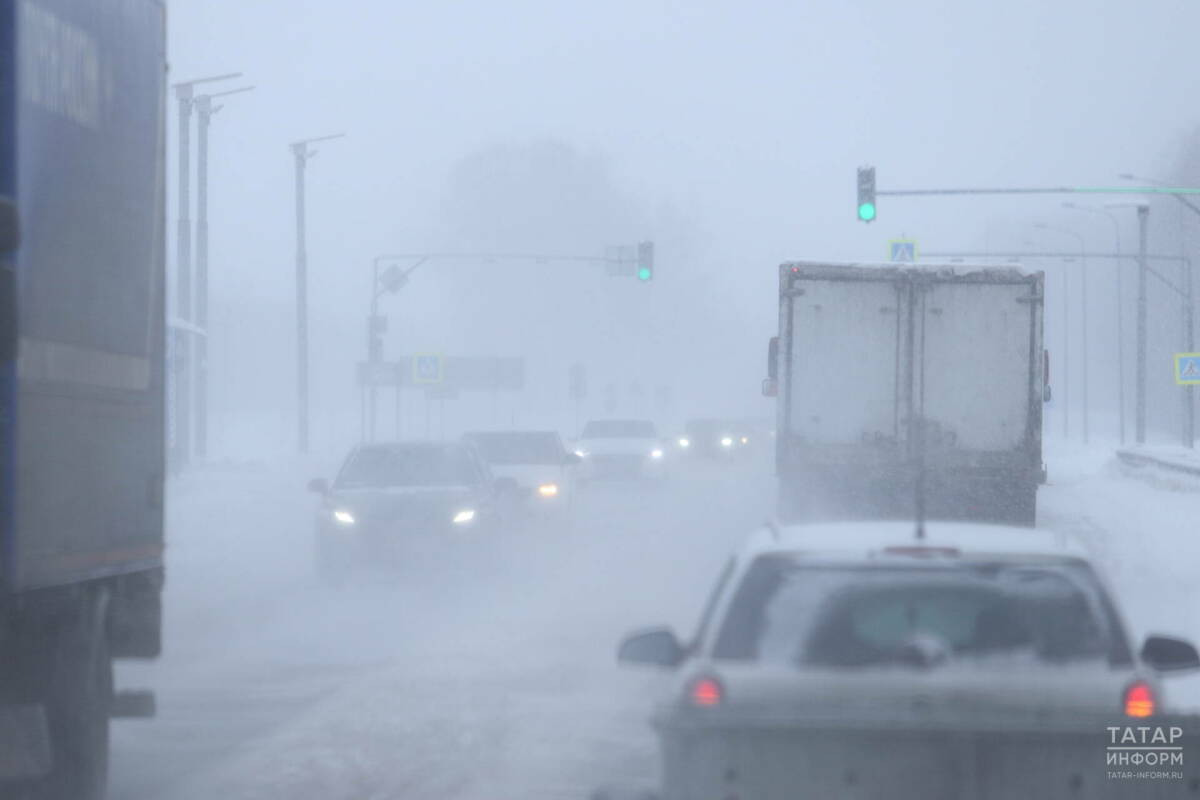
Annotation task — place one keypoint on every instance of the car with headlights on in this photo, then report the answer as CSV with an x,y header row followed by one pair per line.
x,y
620,448
859,660
539,468
390,502
712,438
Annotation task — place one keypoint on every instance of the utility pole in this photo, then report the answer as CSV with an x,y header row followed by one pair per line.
x,y
1143,212
185,93
204,111
302,153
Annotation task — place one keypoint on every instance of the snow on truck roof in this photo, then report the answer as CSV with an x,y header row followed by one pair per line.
x,y
834,269
860,539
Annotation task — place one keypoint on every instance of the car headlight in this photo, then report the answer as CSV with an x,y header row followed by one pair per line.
x,y
343,517
548,490
683,442
727,442
581,453
745,440
464,516
656,453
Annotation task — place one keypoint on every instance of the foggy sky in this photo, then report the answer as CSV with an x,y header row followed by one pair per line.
x,y
730,130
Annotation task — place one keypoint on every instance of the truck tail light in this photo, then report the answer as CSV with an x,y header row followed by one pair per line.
x,y
1139,700
706,692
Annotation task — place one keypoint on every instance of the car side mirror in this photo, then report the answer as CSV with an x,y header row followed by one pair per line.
x,y
1168,654
657,646
10,225
571,459
318,486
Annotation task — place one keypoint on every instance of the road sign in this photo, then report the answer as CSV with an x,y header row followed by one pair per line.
x,y
1187,369
462,374
902,250
427,368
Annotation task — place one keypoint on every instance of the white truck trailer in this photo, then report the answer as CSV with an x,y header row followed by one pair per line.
x,y
880,370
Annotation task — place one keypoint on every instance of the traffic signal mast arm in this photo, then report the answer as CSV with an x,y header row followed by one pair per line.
x,y
1172,190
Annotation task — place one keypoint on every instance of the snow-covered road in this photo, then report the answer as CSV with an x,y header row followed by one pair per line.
x,y
486,674
490,673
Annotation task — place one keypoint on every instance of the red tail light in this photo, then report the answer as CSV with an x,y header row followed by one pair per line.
x,y
1139,700
706,692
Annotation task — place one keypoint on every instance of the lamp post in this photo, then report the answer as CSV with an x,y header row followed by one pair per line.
x,y
1120,311
181,446
204,112
302,152
1083,314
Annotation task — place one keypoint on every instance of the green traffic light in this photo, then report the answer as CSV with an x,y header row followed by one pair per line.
x,y
644,274
866,212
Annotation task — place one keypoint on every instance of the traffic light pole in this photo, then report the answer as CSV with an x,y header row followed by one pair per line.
x,y
368,401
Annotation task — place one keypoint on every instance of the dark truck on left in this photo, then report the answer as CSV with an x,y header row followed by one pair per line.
x,y
82,379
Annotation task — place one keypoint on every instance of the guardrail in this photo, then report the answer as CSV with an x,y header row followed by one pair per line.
x,y
1136,459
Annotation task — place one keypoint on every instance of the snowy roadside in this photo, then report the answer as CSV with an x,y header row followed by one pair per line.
x,y
1143,531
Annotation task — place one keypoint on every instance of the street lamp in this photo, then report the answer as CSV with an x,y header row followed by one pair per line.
x,y
301,152
1120,309
181,444
204,112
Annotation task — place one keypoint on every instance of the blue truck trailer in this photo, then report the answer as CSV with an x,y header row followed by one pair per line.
x,y
82,384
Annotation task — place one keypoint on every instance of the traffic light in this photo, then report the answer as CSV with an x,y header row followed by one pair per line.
x,y
645,261
866,194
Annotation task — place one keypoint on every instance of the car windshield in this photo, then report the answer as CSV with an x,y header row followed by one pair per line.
x,y
519,447
416,465
619,429
840,616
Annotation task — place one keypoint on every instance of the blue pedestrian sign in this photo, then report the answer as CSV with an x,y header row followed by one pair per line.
x,y
427,368
903,250
1187,369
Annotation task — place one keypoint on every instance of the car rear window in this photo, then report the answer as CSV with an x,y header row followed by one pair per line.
x,y
838,616
619,429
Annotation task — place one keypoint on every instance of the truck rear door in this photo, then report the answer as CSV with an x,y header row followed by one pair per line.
x,y
843,359
980,355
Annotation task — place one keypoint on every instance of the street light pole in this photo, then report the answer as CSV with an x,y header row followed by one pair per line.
x,y
204,111
183,282
1120,312
182,369
301,153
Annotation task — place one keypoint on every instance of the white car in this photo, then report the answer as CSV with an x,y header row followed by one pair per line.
x,y
536,465
620,448
860,660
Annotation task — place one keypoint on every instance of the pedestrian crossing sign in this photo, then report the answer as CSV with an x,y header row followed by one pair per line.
x,y
1187,369
427,368
902,250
